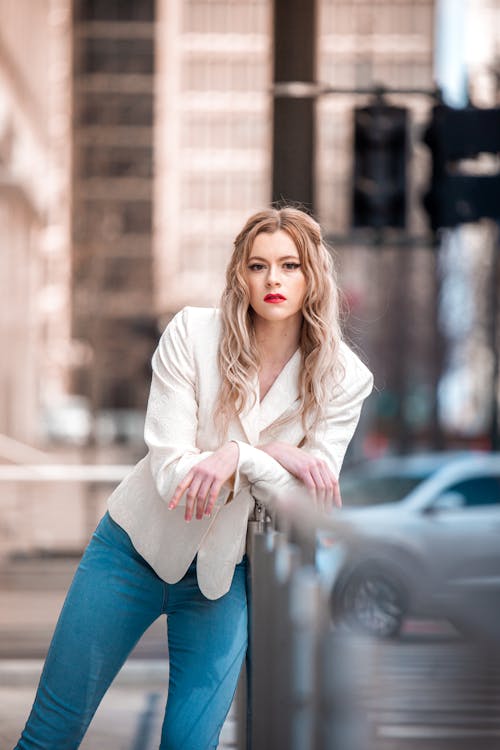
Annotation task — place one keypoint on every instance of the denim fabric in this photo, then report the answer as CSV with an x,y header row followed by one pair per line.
x,y
114,597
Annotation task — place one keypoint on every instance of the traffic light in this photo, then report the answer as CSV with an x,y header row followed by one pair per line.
x,y
380,159
454,196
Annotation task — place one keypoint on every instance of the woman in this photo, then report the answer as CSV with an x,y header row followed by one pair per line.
x,y
234,394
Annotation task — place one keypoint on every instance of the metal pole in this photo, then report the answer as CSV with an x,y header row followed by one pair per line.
x,y
286,561
305,614
494,343
241,703
450,74
342,723
293,118
259,648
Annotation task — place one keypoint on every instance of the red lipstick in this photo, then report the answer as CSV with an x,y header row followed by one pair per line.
x,y
274,298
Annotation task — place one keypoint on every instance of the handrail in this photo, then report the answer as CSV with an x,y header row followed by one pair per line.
x,y
301,686
85,473
301,690
21,453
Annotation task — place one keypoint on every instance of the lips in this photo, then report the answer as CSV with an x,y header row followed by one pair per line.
x,y
274,298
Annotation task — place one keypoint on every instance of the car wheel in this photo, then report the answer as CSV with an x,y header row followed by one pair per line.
x,y
372,602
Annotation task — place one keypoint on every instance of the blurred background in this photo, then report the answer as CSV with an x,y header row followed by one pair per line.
x,y
136,137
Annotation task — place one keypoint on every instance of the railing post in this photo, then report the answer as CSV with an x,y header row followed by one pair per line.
x,y
260,656
340,724
241,703
301,673
286,561
305,615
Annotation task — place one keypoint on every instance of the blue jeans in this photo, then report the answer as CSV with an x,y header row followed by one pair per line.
x,y
114,598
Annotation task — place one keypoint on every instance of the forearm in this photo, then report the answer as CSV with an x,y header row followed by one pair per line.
x,y
276,449
259,467
314,472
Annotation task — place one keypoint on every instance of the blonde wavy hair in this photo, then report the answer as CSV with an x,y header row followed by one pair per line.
x,y
238,357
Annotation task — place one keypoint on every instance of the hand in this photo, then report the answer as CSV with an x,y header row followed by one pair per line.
x,y
313,472
204,482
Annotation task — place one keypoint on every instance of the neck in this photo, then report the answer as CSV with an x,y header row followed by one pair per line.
x,y
277,341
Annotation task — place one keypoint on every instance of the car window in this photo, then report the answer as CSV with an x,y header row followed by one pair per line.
x,y
373,490
478,491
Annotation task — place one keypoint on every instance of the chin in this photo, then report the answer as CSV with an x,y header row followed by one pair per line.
x,y
274,313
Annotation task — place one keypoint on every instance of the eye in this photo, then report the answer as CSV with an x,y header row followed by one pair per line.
x,y
291,266
256,267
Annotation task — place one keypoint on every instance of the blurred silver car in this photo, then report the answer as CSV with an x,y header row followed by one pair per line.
x,y
433,549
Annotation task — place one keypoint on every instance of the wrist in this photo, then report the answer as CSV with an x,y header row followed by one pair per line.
x,y
231,448
271,449
232,451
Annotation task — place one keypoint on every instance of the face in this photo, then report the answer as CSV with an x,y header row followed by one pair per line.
x,y
275,278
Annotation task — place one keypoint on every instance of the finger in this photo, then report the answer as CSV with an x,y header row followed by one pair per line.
x,y
321,503
337,498
180,489
202,496
320,487
307,479
333,488
332,491
191,496
317,476
212,497
330,484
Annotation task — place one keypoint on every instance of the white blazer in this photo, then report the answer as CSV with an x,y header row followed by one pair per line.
x,y
179,432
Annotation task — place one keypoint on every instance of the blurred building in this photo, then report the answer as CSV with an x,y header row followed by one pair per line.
x,y
34,212
169,151
35,341
192,79
212,157
213,139
112,311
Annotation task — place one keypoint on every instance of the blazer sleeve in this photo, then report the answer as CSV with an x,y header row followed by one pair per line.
x,y
172,413
329,441
333,435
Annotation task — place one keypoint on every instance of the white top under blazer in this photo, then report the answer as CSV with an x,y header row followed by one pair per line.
x,y
179,432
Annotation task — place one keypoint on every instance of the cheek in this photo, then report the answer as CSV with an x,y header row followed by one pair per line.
x,y
301,288
252,287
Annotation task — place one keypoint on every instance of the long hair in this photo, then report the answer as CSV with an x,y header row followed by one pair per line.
x,y
238,357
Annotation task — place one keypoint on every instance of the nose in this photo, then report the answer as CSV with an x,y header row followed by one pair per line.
x,y
273,277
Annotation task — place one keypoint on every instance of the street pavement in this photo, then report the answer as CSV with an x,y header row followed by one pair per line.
x,y
429,690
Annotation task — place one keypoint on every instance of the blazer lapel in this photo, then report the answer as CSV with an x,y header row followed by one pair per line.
x,y
250,417
283,392
281,395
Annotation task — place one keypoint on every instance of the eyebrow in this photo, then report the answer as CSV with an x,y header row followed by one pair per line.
x,y
284,257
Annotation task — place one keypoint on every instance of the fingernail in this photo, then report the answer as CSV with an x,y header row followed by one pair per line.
x,y
171,506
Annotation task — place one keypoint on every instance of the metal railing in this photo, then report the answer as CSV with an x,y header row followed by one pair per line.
x,y
301,681
52,505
